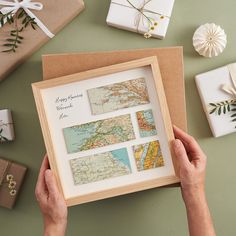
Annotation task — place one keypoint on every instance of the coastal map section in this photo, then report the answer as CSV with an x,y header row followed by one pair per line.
x,y
99,134
148,156
100,166
118,96
146,123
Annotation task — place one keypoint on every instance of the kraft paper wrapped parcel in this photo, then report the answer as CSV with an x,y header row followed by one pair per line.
x,y
53,14
11,179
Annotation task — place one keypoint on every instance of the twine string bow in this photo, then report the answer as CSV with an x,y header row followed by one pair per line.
x,y
27,5
140,17
231,89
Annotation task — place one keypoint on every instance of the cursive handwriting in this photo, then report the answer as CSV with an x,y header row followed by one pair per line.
x,y
64,104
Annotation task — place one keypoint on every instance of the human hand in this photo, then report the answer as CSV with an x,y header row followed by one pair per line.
x,y
192,165
51,202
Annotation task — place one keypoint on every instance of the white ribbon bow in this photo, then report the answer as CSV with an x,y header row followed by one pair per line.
x,y
27,5
231,89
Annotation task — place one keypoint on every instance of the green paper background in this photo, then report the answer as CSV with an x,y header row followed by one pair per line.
x,y
152,212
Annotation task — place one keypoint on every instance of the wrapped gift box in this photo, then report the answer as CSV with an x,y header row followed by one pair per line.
x,y
211,90
6,126
11,179
132,15
54,15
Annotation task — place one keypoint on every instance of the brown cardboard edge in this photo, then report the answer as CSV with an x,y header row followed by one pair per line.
x,y
112,51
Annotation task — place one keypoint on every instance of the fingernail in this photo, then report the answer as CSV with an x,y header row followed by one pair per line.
x,y
48,173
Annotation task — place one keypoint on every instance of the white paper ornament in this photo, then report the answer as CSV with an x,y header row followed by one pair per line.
x,y
209,40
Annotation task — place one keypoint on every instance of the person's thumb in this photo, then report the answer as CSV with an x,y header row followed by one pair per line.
x,y
180,153
51,184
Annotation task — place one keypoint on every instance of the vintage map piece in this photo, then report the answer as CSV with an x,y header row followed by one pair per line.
x,y
118,96
146,123
148,156
99,134
100,166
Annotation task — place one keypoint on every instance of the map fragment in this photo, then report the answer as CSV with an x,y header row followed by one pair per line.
x,y
146,123
100,166
148,156
99,134
118,96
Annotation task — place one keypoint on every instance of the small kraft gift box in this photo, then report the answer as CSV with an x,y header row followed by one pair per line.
x,y
217,89
6,126
11,179
148,17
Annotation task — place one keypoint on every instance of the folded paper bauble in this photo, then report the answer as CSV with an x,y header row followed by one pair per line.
x,y
209,40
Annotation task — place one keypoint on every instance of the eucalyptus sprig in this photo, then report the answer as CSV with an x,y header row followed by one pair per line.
x,y
21,20
224,107
12,43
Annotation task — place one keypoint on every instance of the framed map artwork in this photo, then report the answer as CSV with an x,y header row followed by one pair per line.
x,y
107,131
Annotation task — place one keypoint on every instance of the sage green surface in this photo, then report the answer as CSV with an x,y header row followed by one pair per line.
x,y
153,212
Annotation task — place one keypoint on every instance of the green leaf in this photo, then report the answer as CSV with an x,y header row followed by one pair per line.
x,y
26,24
10,40
224,109
234,115
228,108
21,14
1,131
25,20
213,110
234,120
9,50
219,111
213,104
5,139
8,45
33,26
9,20
2,21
